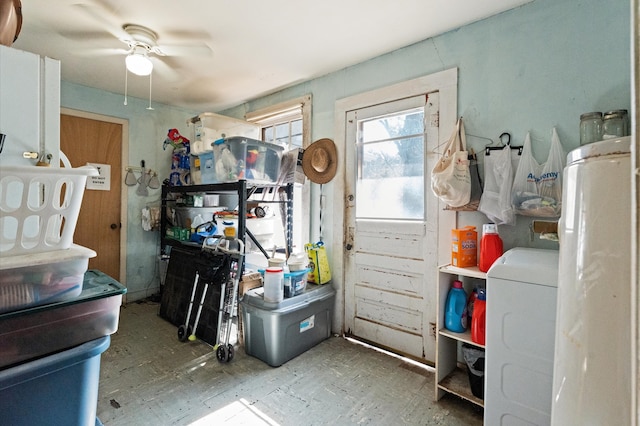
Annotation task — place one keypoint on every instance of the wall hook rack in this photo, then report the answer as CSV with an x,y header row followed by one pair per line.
x,y
148,178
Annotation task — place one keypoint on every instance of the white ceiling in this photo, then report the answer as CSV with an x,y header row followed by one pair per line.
x,y
255,47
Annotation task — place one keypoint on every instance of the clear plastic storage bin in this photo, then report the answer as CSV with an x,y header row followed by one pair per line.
x,y
242,158
34,332
209,127
40,278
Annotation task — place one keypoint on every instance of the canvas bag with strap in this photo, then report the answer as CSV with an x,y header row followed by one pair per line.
x,y
450,178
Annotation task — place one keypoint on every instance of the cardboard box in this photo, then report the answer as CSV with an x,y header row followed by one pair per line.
x,y
464,247
249,281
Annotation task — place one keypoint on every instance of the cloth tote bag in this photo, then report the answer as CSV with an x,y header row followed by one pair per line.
x,y
450,178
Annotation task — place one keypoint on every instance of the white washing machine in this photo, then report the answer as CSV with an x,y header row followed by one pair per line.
x,y
520,324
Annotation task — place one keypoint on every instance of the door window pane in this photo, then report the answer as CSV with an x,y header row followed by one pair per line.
x,y
390,182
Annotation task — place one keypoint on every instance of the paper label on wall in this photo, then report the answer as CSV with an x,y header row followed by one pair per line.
x,y
307,324
102,182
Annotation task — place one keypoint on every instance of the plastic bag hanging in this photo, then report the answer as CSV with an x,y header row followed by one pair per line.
x,y
498,181
550,184
525,198
537,188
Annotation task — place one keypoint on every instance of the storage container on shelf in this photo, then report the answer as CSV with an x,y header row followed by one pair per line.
x,y
209,127
39,207
237,157
184,216
41,330
262,229
40,278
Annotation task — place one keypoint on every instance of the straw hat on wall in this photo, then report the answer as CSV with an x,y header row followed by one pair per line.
x,y
10,21
320,161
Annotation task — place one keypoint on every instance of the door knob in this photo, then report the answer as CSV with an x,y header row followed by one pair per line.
x,y
348,247
113,226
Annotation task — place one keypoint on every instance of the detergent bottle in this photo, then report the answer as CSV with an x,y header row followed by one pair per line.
x,y
490,246
455,315
470,301
478,321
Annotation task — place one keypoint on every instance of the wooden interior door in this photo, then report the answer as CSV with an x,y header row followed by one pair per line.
x,y
85,140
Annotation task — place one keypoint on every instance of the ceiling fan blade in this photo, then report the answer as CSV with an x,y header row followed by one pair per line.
x,y
177,50
96,36
164,70
100,52
103,15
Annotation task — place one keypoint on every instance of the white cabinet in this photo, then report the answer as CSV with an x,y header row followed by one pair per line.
x,y
451,376
29,106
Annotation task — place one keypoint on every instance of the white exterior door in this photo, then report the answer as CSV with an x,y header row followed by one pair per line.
x,y
392,236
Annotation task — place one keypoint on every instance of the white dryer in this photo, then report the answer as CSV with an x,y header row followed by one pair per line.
x,y
520,324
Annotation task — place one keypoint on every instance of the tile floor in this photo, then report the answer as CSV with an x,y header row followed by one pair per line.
x,y
149,377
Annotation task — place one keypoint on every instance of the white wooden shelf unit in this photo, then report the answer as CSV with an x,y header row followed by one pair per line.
x,y
452,377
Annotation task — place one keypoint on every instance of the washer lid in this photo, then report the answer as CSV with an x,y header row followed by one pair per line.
x,y
535,266
615,146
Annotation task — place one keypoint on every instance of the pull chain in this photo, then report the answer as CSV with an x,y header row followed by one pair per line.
x,y
126,82
149,107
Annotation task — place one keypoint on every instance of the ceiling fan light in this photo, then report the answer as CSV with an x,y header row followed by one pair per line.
x,y
139,64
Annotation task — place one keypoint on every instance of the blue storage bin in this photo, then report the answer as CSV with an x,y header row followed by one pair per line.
x,y
60,389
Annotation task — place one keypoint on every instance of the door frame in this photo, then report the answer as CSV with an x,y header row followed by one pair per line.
x,y
446,82
123,191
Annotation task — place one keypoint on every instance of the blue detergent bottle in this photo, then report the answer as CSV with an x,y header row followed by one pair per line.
x,y
455,313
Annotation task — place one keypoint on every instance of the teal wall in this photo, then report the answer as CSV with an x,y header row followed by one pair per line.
x,y
147,132
528,69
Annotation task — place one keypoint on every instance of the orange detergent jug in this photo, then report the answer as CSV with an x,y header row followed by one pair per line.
x,y
490,246
478,321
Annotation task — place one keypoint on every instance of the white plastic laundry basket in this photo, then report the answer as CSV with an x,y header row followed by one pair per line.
x,y
39,207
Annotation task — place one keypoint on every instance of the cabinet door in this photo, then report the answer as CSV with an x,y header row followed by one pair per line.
x,y
29,106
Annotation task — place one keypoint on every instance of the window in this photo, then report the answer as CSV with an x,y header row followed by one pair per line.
x,y
287,134
390,181
288,124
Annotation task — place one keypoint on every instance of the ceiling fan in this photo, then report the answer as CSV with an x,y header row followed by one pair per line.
x,y
143,48
142,42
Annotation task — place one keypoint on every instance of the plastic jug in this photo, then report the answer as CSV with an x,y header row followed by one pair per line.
x,y
455,315
273,284
490,246
478,328
470,301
